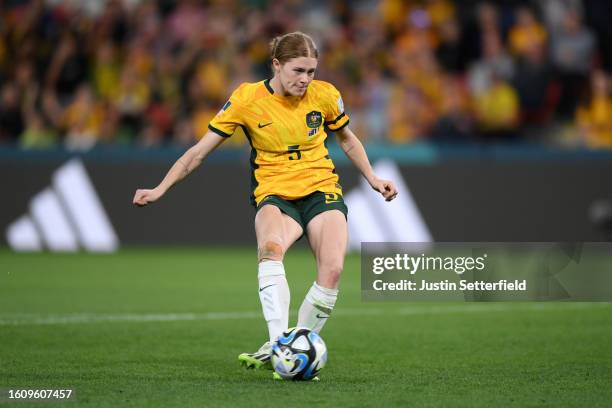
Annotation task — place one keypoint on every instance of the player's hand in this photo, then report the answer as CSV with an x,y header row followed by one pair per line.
x,y
384,187
144,197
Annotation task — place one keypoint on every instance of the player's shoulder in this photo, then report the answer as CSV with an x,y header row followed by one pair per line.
x,y
324,87
248,92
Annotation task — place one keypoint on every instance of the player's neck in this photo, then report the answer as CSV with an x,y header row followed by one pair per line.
x,y
278,88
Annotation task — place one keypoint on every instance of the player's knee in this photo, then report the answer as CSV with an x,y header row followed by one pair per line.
x,y
330,272
271,251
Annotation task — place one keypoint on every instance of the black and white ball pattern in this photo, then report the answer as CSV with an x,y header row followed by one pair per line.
x,y
299,354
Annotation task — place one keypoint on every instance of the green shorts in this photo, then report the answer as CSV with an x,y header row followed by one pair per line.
x,y
303,210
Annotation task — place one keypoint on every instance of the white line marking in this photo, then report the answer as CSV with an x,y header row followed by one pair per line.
x,y
23,319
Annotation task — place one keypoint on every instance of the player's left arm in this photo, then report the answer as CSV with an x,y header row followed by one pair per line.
x,y
354,150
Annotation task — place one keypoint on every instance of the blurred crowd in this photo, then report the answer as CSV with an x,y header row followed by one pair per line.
x,y
82,73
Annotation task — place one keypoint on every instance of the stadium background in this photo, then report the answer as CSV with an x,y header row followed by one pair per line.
x,y
498,116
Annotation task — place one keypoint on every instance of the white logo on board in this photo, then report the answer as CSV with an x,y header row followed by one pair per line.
x,y
372,219
66,217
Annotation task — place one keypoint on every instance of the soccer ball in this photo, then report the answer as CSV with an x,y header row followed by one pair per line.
x,y
298,354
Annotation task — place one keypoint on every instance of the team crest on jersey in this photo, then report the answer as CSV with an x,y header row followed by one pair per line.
x,y
314,119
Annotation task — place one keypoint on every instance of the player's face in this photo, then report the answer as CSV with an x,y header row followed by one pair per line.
x,y
296,74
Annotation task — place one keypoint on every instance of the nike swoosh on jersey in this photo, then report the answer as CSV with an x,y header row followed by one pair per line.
x,y
274,284
321,317
259,125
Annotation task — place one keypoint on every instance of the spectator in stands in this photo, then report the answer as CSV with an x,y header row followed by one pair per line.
x,y
202,115
410,115
183,134
440,12
185,20
497,110
83,120
573,47
450,54
11,115
533,81
166,77
26,82
554,12
211,76
476,28
454,123
106,71
69,67
37,135
111,23
597,13
131,102
157,72
495,62
594,117
375,94
151,135
527,33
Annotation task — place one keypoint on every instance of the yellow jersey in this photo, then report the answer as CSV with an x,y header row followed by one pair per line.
x,y
289,156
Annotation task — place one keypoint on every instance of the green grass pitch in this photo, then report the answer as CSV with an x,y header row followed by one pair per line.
x,y
163,328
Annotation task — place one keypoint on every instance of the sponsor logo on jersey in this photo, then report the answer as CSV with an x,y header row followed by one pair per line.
x,y
314,119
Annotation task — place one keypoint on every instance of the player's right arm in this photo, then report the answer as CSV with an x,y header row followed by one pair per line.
x,y
187,163
220,128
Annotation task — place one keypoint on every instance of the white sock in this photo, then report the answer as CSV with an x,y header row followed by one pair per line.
x,y
317,307
274,297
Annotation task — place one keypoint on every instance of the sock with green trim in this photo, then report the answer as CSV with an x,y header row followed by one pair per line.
x,y
317,307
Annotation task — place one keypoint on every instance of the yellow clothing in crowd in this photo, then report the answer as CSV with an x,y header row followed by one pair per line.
x,y
595,121
497,108
522,38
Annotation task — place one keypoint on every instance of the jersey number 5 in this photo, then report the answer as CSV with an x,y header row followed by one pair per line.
x,y
294,152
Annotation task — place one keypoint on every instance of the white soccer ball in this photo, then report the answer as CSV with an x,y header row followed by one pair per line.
x,y
298,354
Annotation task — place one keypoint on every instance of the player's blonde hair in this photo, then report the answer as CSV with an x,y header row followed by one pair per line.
x,y
292,45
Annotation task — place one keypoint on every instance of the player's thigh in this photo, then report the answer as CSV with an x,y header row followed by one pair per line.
x,y
328,237
275,231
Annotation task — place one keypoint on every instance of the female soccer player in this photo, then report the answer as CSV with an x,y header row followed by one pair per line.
x,y
295,187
